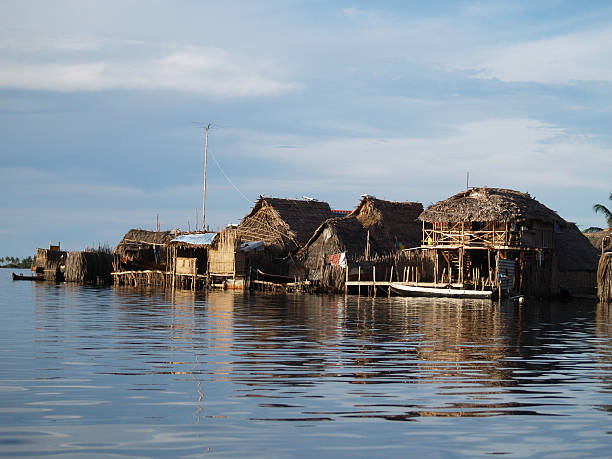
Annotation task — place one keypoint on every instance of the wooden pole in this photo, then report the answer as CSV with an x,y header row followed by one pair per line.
x,y
489,264
460,264
374,280
346,281
205,161
359,281
436,268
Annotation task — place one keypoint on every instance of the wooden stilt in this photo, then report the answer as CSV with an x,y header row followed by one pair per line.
x,y
346,279
374,280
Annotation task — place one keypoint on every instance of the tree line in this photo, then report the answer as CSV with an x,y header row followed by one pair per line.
x,y
15,262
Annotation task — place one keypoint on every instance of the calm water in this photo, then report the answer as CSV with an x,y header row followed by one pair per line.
x,y
95,372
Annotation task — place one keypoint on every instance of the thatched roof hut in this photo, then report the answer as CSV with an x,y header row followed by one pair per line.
x,y
375,226
283,224
136,239
144,249
490,205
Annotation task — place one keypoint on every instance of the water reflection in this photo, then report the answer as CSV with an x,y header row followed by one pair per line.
x,y
229,370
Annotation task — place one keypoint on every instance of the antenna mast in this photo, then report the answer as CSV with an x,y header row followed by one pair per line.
x,y
204,198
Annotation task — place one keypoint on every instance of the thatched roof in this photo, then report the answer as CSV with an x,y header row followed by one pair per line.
x,y
573,250
137,239
597,239
350,233
273,219
490,204
390,224
399,220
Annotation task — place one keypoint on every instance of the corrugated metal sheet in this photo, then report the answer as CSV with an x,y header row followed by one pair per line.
x,y
196,239
507,273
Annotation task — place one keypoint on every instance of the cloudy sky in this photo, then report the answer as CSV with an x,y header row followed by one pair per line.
x,y
101,107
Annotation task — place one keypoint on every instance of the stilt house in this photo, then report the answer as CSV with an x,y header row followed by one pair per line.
x,y
500,238
188,254
374,228
143,250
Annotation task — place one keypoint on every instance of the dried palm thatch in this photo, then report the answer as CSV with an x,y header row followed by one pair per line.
x,y
604,278
576,261
573,250
601,240
490,205
396,222
89,267
283,224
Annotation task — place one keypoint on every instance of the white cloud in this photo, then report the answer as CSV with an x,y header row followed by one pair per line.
x,y
207,71
514,153
572,57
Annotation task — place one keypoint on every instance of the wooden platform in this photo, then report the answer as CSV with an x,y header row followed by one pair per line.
x,y
388,284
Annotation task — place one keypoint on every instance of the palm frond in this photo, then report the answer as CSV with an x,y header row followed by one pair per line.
x,y
600,208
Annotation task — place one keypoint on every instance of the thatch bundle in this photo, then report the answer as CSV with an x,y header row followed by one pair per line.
x,y
601,240
284,225
604,278
490,205
89,267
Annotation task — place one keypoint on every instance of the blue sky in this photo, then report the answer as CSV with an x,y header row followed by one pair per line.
x,y
99,105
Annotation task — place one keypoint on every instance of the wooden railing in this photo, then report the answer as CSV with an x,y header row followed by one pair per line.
x,y
498,238
480,238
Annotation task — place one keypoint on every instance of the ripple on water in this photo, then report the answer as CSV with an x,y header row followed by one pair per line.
x,y
125,372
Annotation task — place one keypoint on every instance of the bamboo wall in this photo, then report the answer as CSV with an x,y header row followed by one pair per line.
x,y
226,259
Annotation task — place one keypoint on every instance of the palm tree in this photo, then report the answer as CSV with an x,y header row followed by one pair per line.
x,y
600,208
604,210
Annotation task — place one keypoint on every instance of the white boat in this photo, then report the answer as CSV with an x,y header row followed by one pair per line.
x,y
413,290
